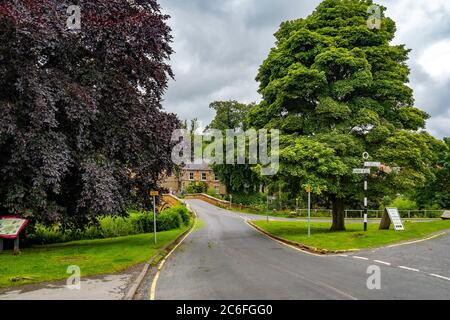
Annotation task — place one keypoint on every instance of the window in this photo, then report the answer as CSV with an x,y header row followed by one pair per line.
x,y
216,189
203,176
191,176
215,177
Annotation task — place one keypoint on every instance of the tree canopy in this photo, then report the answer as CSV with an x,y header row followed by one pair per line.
x,y
236,177
336,88
82,131
436,192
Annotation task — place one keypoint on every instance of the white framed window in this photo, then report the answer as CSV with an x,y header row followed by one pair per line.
x,y
215,177
191,176
203,176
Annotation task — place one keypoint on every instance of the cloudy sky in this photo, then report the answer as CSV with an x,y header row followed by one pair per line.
x,y
220,44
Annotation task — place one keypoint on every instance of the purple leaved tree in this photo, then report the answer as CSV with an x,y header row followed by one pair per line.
x,y
82,132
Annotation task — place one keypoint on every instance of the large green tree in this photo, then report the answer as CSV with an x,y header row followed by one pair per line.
x,y
436,192
236,177
82,132
337,88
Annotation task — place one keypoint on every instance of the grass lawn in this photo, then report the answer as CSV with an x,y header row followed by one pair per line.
x,y
50,262
353,238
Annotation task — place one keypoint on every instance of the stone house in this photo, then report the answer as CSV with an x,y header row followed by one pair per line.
x,y
177,182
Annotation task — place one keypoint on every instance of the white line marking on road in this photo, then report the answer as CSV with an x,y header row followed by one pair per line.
x,y
417,241
410,269
382,262
360,258
438,276
155,279
342,255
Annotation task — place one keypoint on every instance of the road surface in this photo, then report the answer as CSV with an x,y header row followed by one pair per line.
x,y
228,259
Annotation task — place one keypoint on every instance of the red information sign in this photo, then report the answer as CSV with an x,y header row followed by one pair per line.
x,y
10,227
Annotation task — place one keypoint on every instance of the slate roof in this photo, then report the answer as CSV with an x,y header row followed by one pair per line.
x,y
197,166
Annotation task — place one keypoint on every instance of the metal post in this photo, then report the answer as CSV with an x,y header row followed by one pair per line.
x,y
1,245
280,198
309,214
16,245
154,217
365,202
231,201
267,208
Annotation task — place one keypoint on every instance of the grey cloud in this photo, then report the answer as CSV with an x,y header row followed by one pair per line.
x,y
220,44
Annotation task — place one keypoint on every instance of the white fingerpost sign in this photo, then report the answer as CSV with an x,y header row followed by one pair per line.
x,y
372,164
361,171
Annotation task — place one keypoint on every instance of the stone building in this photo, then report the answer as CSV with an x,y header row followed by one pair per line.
x,y
177,182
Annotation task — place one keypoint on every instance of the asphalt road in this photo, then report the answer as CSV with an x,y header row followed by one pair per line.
x,y
228,259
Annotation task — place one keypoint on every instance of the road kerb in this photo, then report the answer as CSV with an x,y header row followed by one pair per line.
x,y
161,264
300,246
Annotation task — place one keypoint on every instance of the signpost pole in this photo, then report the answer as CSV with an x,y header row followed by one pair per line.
x,y
309,213
267,207
365,202
16,245
154,217
367,166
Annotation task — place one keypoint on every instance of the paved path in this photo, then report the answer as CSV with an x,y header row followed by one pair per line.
x,y
227,259
106,287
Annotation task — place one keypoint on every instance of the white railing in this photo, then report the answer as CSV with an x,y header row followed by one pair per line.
x,y
425,214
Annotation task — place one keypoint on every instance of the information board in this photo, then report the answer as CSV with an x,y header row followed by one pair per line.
x,y
391,215
10,227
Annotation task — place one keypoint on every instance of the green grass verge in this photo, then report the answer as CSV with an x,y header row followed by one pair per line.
x,y
94,257
353,238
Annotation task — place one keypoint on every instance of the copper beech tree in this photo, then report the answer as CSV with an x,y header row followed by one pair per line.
x,y
82,131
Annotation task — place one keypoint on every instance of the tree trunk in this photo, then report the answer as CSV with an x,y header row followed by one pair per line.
x,y
338,214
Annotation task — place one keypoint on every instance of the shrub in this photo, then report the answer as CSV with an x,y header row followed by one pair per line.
x,y
114,226
142,222
212,192
92,232
248,199
196,187
404,204
47,235
169,219
183,212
